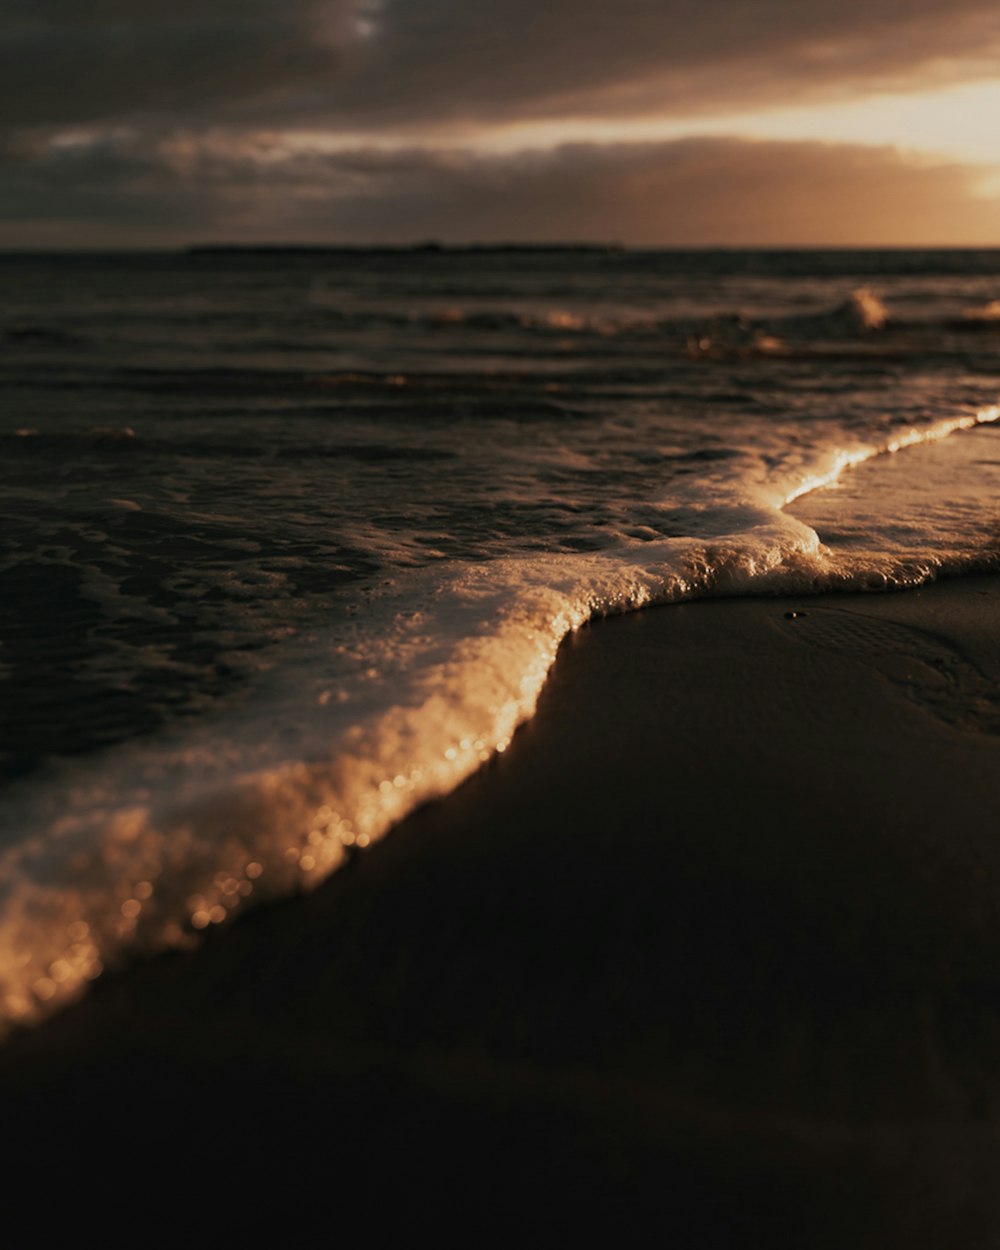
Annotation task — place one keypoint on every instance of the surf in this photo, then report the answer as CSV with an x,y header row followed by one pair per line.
x,y
144,847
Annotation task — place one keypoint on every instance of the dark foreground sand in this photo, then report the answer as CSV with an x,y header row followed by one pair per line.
x,y
715,947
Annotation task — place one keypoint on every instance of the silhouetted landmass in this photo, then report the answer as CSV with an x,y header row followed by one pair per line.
x,y
324,249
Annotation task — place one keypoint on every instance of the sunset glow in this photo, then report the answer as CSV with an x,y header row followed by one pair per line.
x,y
950,123
350,121
500,620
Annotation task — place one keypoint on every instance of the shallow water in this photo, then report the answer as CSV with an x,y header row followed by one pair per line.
x,y
291,540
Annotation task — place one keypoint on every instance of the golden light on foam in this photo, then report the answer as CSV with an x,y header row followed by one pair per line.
x,y
843,460
493,716
913,437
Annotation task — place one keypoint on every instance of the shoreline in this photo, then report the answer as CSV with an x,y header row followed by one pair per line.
x,y
716,941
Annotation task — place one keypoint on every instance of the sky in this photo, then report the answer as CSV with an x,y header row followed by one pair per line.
x,y
139,123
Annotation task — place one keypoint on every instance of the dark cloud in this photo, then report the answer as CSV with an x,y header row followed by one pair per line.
x,y
696,191
353,63
496,59
63,62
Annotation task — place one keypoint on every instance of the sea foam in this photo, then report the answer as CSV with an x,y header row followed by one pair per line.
x,y
144,846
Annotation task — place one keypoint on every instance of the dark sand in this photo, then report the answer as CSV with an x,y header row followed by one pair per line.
x,y
715,947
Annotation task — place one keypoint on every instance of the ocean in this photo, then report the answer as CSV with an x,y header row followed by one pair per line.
x,y
291,537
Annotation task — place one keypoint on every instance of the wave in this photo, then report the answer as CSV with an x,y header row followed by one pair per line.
x,y
144,847
43,337
861,313
984,316
226,352
106,437
308,329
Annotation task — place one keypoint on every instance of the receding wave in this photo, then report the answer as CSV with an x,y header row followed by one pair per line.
x,y
150,843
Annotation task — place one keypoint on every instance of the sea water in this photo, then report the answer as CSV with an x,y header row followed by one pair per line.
x,y
291,538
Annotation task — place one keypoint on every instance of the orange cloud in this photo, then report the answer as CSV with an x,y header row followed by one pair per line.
x,y
697,192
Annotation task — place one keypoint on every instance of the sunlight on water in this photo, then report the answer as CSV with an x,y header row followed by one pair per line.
x,y
313,565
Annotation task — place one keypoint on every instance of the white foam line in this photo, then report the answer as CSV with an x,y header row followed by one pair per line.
x,y
153,841
848,459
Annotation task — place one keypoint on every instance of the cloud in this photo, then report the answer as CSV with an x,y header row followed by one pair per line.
x,y
505,59
689,192
168,118
370,63
63,62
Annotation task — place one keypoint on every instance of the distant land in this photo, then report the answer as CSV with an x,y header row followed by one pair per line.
x,y
326,249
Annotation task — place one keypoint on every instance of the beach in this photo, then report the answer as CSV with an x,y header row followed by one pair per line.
x,y
500,625
711,948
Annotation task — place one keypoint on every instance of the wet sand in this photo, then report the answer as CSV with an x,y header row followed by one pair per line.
x,y
714,948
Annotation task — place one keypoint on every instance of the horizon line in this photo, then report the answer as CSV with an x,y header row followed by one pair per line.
x,y
434,246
